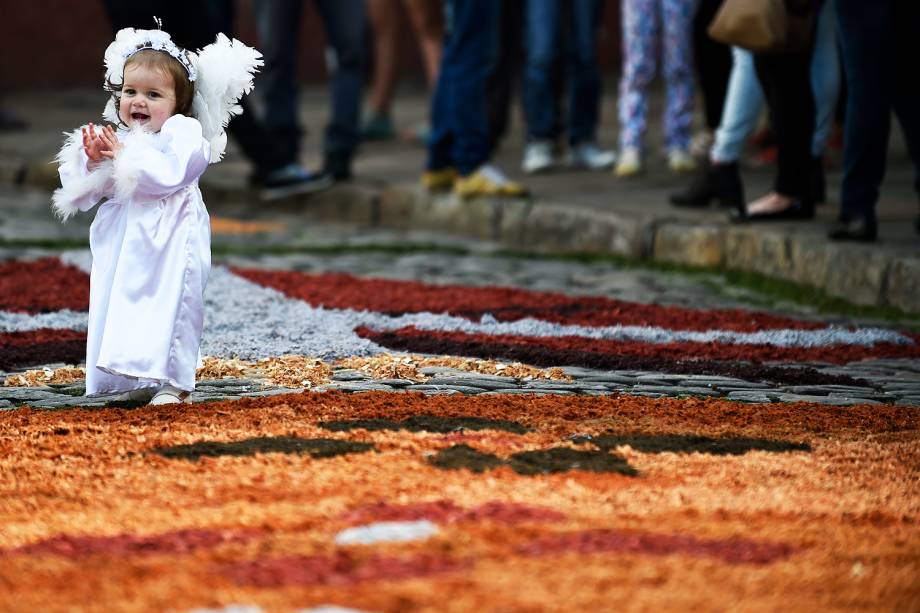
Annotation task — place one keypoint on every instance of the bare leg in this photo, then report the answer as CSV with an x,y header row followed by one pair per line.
x,y
385,23
428,23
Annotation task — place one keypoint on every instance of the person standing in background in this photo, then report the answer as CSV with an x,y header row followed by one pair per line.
x,y
427,22
344,21
879,41
647,26
460,146
554,28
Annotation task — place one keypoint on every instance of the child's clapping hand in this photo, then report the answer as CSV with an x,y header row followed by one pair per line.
x,y
92,145
111,146
100,145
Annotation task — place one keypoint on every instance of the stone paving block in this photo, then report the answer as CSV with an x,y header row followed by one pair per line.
x,y
903,288
463,389
5,404
909,400
349,375
395,382
355,386
610,378
29,393
517,390
478,382
688,244
818,399
751,397
274,392
858,275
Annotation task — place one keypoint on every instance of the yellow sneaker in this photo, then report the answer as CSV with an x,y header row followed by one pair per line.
x,y
488,180
630,163
680,160
435,180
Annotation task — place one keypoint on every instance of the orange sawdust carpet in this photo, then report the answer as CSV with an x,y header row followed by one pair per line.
x,y
538,503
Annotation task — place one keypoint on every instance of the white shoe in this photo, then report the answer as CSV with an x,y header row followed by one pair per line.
x,y
139,395
630,163
538,157
588,155
168,394
680,160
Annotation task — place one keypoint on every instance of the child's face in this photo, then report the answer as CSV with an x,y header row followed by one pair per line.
x,y
148,98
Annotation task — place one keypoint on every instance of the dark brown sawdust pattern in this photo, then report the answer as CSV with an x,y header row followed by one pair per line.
x,y
555,351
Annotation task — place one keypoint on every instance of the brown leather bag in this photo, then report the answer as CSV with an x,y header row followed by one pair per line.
x,y
765,26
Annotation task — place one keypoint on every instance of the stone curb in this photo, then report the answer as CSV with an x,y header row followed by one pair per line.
x,y
872,275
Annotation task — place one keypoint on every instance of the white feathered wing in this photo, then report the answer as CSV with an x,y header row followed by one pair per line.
x,y
225,73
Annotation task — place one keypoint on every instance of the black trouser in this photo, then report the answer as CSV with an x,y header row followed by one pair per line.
x,y
192,24
713,62
881,46
786,82
506,74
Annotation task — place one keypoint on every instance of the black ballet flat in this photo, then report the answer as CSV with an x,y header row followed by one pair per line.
x,y
857,229
797,210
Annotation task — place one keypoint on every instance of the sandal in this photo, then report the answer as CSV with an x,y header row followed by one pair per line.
x,y
170,395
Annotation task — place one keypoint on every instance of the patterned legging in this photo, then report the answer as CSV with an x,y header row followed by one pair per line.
x,y
645,22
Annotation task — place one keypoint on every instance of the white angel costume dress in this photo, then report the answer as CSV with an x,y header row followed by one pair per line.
x,y
151,237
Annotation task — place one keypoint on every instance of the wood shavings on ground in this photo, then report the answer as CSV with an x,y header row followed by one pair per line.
x,y
294,371
407,367
45,376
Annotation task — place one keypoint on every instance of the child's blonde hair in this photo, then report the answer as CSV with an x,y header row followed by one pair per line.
x,y
166,64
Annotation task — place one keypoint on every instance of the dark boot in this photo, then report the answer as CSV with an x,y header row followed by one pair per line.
x,y
719,182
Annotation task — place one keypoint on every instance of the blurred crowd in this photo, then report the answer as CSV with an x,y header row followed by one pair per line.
x,y
853,66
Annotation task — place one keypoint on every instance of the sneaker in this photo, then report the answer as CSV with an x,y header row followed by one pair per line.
x,y
292,180
438,180
378,127
488,180
538,157
168,394
630,163
589,156
680,160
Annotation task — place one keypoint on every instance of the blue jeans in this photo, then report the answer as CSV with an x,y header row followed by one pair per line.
x,y
545,42
459,115
879,41
744,100
278,23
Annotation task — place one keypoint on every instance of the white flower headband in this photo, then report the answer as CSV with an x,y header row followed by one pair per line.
x,y
222,73
129,41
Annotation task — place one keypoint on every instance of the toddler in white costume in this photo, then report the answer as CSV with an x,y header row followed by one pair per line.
x,y
151,238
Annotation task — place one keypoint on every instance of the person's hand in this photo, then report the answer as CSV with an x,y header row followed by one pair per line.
x,y
110,144
92,145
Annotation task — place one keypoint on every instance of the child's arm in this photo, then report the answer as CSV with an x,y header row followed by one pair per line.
x,y
145,171
84,180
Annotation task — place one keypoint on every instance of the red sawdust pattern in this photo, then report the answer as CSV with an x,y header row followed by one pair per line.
x,y
579,351
446,511
338,569
730,551
42,286
834,354
178,542
343,291
44,346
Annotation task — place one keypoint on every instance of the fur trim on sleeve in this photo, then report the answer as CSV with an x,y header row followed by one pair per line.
x,y
79,186
129,163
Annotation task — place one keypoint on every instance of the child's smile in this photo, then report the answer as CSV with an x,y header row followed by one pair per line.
x,y
148,98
